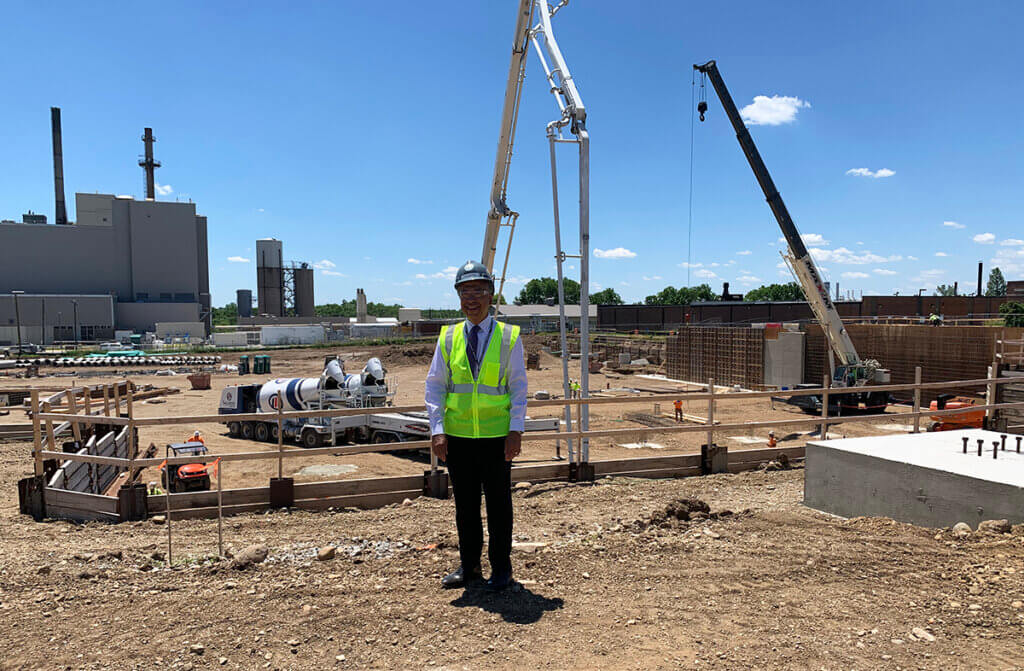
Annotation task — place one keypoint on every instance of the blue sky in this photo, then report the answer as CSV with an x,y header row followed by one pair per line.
x,y
363,135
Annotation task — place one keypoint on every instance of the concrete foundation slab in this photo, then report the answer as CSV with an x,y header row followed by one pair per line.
x,y
923,478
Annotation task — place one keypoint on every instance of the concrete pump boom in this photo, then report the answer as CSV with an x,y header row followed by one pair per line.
x,y
853,368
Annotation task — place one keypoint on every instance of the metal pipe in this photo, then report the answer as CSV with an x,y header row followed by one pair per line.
x,y
559,259
584,168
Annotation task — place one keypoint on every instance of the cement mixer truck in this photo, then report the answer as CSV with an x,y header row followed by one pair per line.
x,y
333,389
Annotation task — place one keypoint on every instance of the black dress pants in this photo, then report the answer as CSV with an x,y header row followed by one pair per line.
x,y
476,464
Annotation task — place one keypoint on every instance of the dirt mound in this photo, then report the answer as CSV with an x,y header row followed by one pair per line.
x,y
680,512
402,355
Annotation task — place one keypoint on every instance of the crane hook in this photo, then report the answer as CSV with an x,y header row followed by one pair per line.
x,y
702,107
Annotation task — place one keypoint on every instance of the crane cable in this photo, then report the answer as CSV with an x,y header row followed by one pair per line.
x,y
689,227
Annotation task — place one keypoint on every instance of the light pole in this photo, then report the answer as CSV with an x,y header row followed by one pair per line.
x,y
75,304
17,317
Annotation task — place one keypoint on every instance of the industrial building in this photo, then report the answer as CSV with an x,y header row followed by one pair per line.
x,y
146,259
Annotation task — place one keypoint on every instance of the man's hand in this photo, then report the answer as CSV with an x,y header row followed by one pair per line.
x,y
513,445
439,446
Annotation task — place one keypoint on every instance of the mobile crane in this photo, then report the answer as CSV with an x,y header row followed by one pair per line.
x,y
851,371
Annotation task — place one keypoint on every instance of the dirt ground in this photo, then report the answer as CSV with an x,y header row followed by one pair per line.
x,y
606,580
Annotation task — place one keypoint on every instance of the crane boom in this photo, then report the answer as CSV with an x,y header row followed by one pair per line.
x,y
799,258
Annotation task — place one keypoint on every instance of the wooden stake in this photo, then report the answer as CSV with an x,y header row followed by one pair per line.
x,y
106,400
167,498
73,409
917,400
51,441
87,400
117,399
37,438
131,448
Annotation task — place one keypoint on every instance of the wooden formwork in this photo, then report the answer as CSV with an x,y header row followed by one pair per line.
x,y
942,352
730,355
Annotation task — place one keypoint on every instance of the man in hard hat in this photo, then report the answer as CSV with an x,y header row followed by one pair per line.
x,y
476,399
196,437
678,403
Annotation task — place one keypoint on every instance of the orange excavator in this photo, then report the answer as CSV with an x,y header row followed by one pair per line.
x,y
971,419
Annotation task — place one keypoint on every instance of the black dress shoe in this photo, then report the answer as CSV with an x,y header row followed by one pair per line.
x,y
461,576
500,581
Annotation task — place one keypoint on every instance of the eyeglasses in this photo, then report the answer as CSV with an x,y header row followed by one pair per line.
x,y
474,293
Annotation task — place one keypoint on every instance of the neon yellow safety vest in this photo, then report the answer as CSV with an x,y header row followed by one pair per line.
x,y
477,408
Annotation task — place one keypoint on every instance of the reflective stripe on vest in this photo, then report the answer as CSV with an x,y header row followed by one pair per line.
x,y
480,407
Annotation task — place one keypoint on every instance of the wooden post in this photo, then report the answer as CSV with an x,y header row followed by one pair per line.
x,y
106,400
711,412
280,435
990,391
37,438
917,400
73,409
131,450
50,439
824,406
220,514
117,399
87,400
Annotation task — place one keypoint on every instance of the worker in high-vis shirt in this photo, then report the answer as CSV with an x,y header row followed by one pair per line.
x,y
476,399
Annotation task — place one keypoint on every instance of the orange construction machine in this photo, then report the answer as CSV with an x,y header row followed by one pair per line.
x,y
971,419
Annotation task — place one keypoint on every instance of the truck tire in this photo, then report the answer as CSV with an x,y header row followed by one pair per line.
x,y
274,432
311,439
247,430
262,432
234,429
384,437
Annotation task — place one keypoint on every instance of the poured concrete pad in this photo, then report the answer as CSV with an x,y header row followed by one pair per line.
x,y
922,478
638,446
327,470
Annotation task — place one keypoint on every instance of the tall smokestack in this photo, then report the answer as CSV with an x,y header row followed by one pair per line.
x,y
979,280
60,216
149,165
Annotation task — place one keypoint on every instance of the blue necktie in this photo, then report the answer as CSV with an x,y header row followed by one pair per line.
x,y
471,347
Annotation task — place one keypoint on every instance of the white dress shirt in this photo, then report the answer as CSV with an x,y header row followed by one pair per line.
x,y
437,379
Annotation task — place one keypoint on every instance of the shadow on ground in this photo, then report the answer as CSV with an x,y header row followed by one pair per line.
x,y
517,605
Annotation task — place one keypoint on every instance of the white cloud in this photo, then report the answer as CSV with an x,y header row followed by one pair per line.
x,y
624,283
714,265
1009,260
847,256
748,279
260,209
884,271
617,253
684,264
446,274
953,224
864,172
941,254
811,239
407,283
984,238
912,258
324,264
854,276
1012,242
333,273
238,259
705,274
418,261
651,278
765,111
745,252
929,276
163,189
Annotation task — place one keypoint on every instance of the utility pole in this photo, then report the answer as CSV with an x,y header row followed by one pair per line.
x,y
75,304
17,317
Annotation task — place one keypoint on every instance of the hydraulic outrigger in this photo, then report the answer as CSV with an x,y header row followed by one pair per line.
x,y
851,370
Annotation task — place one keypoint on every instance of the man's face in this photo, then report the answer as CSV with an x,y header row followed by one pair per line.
x,y
475,297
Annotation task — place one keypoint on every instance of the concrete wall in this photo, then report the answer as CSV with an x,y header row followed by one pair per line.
x,y
784,359
166,330
233,339
292,335
144,316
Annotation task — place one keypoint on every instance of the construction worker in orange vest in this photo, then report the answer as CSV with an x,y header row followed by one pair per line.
x,y
196,437
771,439
679,409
